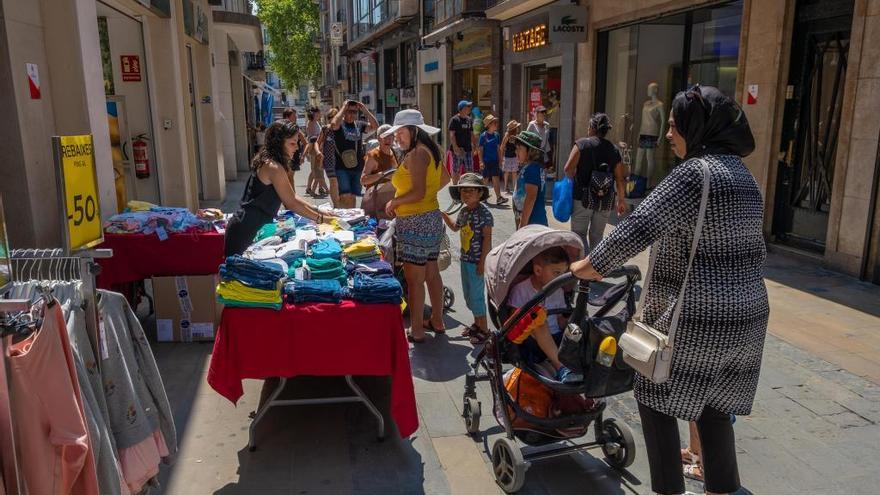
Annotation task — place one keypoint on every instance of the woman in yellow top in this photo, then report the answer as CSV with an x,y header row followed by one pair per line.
x,y
419,226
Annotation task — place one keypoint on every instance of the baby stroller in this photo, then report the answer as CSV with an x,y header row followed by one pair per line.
x,y
387,240
506,265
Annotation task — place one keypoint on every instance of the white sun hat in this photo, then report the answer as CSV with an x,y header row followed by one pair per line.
x,y
409,117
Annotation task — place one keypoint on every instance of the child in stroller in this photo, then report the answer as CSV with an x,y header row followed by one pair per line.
x,y
545,339
506,266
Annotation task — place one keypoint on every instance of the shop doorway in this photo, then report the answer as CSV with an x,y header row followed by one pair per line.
x,y
814,101
543,85
128,105
194,118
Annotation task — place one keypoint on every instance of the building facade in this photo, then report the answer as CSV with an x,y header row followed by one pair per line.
x,y
122,71
382,37
806,73
458,33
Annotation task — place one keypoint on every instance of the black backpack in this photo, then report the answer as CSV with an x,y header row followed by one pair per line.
x,y
599,191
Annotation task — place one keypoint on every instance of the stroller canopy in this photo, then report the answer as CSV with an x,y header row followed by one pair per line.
x,y
505,262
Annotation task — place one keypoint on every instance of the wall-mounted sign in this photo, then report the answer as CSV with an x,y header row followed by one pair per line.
x,y
473,46
568,24
408,96
336,34
392,97
528,39
78,181
33,80
131,68
432,66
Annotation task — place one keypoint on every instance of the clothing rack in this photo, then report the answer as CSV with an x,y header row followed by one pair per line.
x,y
55,265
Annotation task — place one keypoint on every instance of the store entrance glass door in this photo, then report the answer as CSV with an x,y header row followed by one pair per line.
x,y
543,83
812,123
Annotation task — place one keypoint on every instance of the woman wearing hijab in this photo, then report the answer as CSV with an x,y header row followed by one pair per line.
x,y
723,315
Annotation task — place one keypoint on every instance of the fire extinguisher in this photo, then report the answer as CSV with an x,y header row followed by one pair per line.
x,y
141,158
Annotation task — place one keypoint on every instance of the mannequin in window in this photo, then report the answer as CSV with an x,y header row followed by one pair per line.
x,y
653,121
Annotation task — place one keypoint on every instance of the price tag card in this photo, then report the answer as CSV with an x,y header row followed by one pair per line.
x,y
78,182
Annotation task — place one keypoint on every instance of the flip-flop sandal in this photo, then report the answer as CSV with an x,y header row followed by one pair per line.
x,y
467,331
414,340
478,337
428,326
693,472
689,457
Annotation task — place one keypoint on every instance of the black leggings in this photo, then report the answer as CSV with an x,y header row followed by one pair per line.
x,y
718,454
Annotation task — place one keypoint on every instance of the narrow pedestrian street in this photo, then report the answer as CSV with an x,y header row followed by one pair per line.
x,y
814,428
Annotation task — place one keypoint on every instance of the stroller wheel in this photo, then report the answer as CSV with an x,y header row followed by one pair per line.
x,y
508,465
471,412
448,298
619,446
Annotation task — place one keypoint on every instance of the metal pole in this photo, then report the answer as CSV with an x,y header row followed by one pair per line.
x,y
90,307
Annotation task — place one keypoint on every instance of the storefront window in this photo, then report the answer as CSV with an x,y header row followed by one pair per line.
x,y
474,84
643,67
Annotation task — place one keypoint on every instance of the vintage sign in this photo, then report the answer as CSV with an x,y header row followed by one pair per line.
x,y
568,24
78,181
131,68
531,38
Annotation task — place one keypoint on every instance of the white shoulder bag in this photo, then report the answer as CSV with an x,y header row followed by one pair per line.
x,y
644,348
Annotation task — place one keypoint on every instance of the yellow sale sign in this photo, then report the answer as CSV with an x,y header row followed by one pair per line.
x,y
79,184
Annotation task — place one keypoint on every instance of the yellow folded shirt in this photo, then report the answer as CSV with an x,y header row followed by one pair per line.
x,y
363,246
234,290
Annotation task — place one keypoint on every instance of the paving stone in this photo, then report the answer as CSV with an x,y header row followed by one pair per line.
x,y
464,467
822,407
847,419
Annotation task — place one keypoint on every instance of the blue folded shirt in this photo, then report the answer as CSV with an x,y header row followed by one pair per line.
x,y
305,291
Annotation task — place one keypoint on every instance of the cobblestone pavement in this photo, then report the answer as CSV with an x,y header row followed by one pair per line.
x,y
814,428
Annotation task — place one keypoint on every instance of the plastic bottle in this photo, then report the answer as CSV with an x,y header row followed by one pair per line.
x,y
607,351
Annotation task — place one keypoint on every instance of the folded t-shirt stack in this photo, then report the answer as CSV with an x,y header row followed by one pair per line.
x,y
370,267
250,283
363,251
313,291
326,269
327,249
380,289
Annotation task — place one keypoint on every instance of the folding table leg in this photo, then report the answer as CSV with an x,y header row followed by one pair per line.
x,y
373,409
262,412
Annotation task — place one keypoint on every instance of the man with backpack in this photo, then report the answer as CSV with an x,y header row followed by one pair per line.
x,y
599,178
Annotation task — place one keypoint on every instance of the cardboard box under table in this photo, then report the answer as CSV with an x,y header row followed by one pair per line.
x,y
186,308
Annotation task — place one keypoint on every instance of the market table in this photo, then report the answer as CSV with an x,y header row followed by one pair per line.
x,y
141,256
346,339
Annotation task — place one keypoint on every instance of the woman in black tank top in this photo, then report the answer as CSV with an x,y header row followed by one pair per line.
x,y
268,187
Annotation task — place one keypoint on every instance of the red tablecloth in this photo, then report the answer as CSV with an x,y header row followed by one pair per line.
x,y
316,340
138,256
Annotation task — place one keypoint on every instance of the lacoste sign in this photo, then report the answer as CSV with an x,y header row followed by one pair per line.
x,y
568,24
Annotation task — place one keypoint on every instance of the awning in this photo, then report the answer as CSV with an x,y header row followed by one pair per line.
x,y
459,25
263,86
244,29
